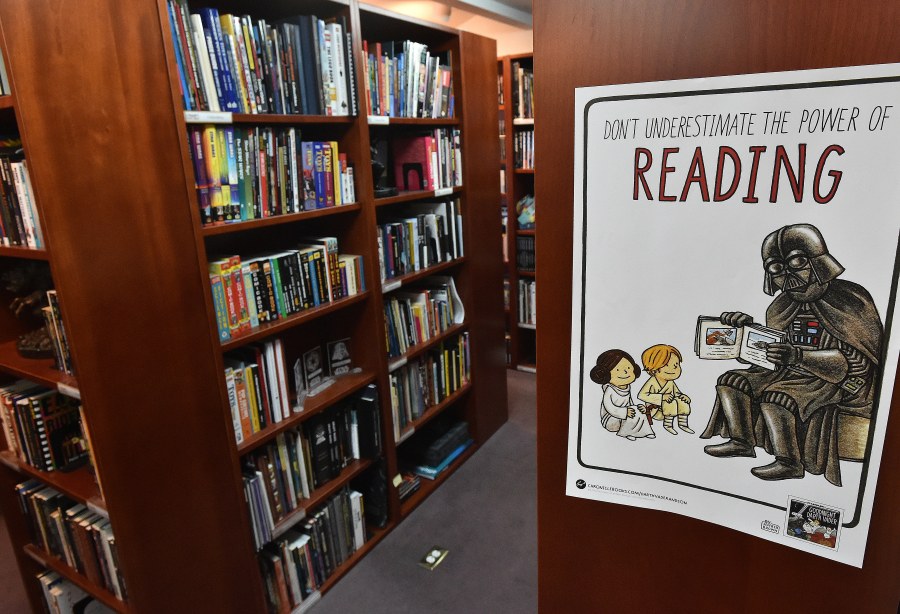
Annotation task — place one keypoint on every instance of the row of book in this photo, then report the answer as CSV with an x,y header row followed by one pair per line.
x,y
412,317
428,161
502,144
63,597
251,291
70,531
527,302
244,65
525,253
427,380
298,564
62,356
425,234
42,427
20,225
405,79
522,91
262,171
523,149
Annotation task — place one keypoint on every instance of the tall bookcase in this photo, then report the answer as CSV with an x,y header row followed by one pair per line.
x,y
519,182
97,102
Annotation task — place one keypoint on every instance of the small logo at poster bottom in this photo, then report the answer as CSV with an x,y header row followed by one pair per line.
x,y
771,527
813,522
580,484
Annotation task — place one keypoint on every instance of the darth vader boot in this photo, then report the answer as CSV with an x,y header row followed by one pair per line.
x,y
783,436
729,449
735,408
781,469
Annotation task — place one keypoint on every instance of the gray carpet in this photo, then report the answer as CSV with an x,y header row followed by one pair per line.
x,y
485,514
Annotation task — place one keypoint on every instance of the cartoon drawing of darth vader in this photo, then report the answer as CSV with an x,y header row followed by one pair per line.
x,y
827,368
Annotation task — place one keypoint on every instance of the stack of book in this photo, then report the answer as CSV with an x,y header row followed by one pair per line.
x,y
525,253
527,302
250,291
409,484
73,533
522,91
257,172
404,79
42,427
429,161
428,380
20,225
256,379
245,65
298,564
57,331
427,234
523,149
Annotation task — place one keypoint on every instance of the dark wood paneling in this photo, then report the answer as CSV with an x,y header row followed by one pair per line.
x,y
598,557
97,116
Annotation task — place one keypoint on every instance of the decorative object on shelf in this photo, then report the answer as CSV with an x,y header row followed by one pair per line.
x,y
525,211
378,167
29,282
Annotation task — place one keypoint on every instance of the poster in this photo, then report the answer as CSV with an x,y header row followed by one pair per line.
x,y
734,288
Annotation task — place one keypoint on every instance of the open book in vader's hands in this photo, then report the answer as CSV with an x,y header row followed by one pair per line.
x,y
715,340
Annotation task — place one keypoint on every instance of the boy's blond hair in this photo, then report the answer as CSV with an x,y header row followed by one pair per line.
x,y
657,356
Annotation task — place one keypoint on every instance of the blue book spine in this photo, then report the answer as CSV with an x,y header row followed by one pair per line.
x,y
213,27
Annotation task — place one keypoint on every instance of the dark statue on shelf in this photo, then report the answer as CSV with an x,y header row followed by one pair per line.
x,y
28,283
378,176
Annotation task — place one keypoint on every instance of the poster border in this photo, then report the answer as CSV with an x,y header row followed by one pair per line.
x,y
891,301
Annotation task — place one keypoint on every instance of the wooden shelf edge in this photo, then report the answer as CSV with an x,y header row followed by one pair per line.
x,y
526,368
220,229
399,361
525,233
29,253
7,102
395,283
521,273
270,329
228,117
343,387
524,171
60,567
38,370
526,326
386,120
426,486
431,412
78,484
413,195
320,495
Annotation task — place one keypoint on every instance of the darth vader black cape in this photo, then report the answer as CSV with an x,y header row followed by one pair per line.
x,y
847,312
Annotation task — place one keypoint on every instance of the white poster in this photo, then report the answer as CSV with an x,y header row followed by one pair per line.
x,y
734,287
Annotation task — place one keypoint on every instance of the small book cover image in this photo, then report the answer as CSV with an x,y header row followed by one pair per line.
x,y
716,340
312,368
339,361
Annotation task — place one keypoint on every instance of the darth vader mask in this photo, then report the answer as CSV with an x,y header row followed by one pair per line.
x,y
795,258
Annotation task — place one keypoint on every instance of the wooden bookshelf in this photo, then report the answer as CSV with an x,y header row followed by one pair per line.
x,y
129,253
519,182
28,253
79,484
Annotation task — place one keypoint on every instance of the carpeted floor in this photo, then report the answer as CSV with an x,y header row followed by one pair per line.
x,y
485,514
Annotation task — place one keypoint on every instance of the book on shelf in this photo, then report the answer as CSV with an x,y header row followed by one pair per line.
x,y
250,173
412,317
428,161
527,302
298,65
249,291
256,381
405,79
427,380
432,471
63,597
42,427
297,564
423,235
72,533
525,253
20,224
523,149
53,323
522,91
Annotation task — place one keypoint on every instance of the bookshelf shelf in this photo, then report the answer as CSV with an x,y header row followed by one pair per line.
x,y
396,363
268,118
270,329
431,412
523,273
320,496
275,220
527,326
525,233
405,197
78,484
523,121
343,387
527,368
7,102
426,486
389,285
60,567
38,370
24,252
524,171
383,120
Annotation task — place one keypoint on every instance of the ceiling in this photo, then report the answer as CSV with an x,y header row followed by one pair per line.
x,y
517,12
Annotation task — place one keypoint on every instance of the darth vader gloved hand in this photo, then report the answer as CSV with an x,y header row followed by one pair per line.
x,y
783,354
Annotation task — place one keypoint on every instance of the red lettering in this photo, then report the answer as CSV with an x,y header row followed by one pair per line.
x,y
835,175
736,162
757,151
783,161
696,174
663,171
640,170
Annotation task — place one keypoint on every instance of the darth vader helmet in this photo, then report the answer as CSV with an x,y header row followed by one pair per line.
x,y
796,256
